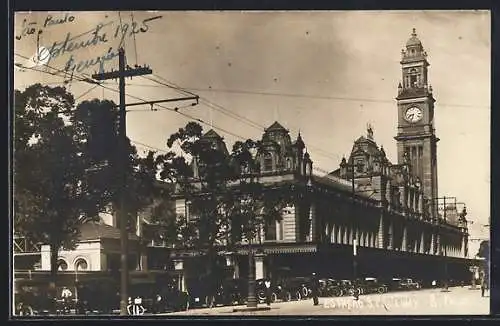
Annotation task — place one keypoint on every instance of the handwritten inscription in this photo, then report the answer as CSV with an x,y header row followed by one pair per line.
x,y
28,29
50,21
82,65
124,30
71,44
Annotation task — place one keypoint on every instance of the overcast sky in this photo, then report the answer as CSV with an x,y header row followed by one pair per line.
x,y
326,74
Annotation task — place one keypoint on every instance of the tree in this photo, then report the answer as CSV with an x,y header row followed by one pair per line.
x,y
224,196
49,165
97,122
60,180
484,250
203,180
256,204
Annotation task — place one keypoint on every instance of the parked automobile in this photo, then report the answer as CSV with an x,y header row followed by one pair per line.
x,y
31,298
278,291
98,295
409,284
201,292
373,285
298,287
329,287
348,287
232,291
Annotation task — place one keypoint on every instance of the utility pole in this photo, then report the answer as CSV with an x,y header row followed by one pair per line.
x,y
123,72
122,163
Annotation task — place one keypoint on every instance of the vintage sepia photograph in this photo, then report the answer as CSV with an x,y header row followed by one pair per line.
x,y
251,163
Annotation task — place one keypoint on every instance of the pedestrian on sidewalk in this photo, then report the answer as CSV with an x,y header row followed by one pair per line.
x,y
315,289
267,283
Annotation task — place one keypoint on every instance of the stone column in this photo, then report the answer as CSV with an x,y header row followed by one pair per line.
x,y
420,203
391,236
402,192
438,244
179,266
422,243
381,235
411,202
231,261
433,244
259,266
143,263
462,247
404,242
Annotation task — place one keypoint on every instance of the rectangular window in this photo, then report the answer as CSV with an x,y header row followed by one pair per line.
x,y
359,166
280,232
270,231
268,163
420,167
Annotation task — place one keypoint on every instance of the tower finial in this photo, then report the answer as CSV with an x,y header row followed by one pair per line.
x,y
369,130
414,33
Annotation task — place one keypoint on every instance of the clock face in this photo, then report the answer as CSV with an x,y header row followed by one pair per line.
x,y
413,114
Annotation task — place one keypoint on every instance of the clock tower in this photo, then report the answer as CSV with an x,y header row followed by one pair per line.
x,y
416,139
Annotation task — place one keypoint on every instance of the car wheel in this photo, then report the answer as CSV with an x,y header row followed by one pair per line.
x,y
337,292
381,290
261,295
298,295
304,292
274,297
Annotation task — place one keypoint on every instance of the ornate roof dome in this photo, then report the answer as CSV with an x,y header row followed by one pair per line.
x,y
413,40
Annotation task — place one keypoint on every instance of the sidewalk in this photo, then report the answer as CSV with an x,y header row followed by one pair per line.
x,y
459,301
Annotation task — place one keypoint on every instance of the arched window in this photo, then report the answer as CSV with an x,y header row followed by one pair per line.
x,y
62,265
81,264
413,77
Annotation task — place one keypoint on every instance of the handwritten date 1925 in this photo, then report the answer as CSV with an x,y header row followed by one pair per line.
x,y
124,30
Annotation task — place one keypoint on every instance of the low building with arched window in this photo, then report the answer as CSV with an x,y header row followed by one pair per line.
x,y
98,249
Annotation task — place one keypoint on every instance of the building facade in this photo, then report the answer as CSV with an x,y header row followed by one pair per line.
x,y
390,210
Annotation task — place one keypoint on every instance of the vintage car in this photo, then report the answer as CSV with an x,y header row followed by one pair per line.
x,y
350,287
329,287
206,292
101,295
32,298
298,287
158,297
232,291
278,291
409,284
402,284
373,285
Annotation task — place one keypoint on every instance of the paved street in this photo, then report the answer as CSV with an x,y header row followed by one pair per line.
x,y
459,301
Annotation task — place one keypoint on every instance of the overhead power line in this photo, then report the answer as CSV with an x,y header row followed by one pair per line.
x,y
318,97
233,115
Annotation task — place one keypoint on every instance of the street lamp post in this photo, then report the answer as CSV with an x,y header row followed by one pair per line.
x,y
252,299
